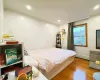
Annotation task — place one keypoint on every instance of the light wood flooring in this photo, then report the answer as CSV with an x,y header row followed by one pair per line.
x,y
78,70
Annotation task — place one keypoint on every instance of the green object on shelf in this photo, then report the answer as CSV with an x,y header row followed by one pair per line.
x,y
11,56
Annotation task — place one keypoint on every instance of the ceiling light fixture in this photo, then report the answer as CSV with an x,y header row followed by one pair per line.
x,y
96,7
59,21
28,7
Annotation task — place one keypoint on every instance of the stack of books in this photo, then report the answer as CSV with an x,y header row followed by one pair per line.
x,y
12,42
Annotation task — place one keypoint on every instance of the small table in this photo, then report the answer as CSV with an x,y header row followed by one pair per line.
x,y
96,76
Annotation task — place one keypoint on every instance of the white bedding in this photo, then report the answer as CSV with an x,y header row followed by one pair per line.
x,y
50,57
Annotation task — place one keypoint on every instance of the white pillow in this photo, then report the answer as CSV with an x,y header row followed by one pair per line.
x,y
28,60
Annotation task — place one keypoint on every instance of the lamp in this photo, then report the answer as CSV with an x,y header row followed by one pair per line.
x,y
63,32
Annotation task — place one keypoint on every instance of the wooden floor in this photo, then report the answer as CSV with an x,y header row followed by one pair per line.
x,y
78,70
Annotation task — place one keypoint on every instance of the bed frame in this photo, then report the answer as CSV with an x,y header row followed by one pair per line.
x,y
58,68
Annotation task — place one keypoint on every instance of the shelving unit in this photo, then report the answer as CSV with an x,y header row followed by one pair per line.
x,y
4,68
58,41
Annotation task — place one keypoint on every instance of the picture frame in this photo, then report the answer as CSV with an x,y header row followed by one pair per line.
x,y
98,39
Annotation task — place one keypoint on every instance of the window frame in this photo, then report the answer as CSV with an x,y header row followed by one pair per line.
x,y
80,25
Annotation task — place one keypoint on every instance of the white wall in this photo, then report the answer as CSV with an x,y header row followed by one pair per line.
x,y
1,17
64,42
34,33
93,25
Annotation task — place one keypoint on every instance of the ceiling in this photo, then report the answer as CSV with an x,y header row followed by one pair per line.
x,y
53,10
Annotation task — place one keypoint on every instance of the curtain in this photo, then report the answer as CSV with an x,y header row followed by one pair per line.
x,y
70,43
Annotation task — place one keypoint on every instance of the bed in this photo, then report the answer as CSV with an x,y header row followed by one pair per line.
x,y
50,61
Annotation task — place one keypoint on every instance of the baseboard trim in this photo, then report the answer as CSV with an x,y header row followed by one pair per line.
x,y
82,57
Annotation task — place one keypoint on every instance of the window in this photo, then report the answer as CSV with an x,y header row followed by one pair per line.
x,y
80,35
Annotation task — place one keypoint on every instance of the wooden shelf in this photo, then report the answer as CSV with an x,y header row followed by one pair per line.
x,y
3,66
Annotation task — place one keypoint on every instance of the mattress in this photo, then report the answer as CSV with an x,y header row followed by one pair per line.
x,y
47,59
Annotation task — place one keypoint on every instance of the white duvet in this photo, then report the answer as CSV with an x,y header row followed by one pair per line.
x,y
48,58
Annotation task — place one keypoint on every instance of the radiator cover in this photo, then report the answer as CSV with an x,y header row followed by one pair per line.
x,y
94,56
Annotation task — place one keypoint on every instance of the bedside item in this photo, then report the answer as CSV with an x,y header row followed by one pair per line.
x,y
38,75
24,73
35,72
23,76
96,76
58,40
94,59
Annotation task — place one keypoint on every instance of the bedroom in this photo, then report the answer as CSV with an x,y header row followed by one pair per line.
x,y
36,24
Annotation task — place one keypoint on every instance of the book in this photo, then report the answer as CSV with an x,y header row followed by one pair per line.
x,y
24,73
2,59
11,56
